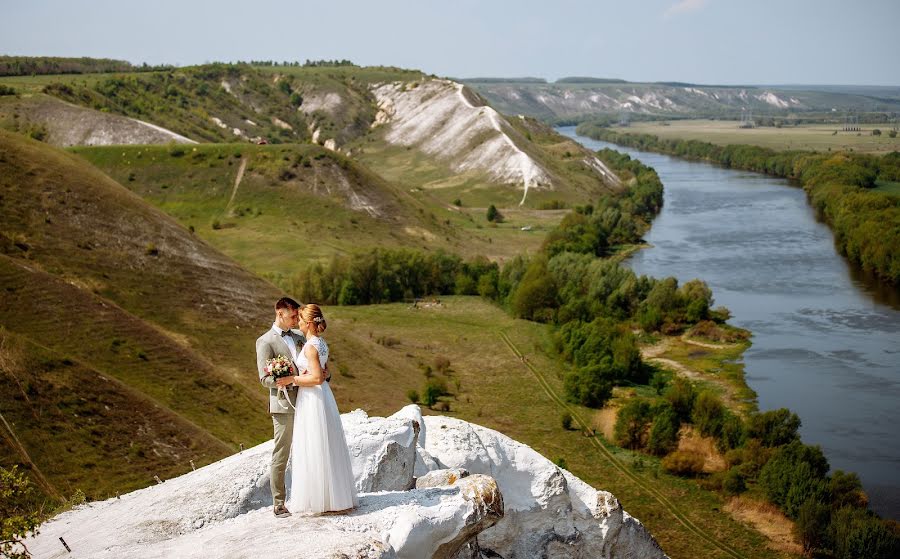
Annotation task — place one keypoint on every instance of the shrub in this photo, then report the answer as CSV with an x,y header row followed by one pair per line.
x,y
680,394
151,249
216,224
18,522
774,428
734,482
708,413
631,424
683,463
588,386
664,431
858,533
176,151
732,434
566,420
413,396
6,90
795,473
494,215
457,202
561,463
434,389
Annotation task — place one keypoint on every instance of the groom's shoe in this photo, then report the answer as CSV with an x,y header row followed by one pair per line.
x,y
281,511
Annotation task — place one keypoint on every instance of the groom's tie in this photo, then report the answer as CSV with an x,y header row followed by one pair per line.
x,y
285,333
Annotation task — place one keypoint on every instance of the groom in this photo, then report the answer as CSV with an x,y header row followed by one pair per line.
x,y
280,339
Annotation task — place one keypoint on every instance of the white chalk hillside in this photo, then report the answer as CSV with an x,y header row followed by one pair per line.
x,y
421,496
440,119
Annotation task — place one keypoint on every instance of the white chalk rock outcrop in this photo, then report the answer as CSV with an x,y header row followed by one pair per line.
x,y
382,450
548,511
443,119
516,502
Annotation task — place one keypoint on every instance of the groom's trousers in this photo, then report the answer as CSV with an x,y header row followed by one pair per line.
x,y
284,433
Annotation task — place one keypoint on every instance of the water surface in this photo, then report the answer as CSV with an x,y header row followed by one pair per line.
x,y
826,339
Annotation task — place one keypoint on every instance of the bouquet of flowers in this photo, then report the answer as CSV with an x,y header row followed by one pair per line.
x,y
279,367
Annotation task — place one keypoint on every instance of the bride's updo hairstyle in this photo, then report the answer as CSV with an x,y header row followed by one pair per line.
x,y
312,313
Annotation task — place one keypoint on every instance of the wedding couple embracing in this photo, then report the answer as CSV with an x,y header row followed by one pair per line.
x,y
308,429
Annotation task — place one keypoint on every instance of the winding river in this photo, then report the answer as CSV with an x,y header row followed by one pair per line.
x,y
826,340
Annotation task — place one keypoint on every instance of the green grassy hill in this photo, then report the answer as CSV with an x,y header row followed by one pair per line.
x,y
126,340
333,106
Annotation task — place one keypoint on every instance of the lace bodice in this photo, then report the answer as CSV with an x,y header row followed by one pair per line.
x,y
321,347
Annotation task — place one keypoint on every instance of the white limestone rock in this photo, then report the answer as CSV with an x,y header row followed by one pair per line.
x,y
517,502
435,522
549,511
438,478
382,451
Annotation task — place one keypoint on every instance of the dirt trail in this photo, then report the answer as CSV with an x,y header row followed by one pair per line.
x,y
237,180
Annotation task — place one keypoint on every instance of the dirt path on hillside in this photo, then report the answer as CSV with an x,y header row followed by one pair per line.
x,y
237,180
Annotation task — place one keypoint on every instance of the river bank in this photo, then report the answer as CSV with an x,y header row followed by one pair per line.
x,y
823,338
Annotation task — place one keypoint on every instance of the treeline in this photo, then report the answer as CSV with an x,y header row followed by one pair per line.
x,y
764,451
866,223
613,220
308,64
41,65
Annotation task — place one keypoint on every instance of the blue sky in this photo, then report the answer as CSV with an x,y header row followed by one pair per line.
x,y
701,41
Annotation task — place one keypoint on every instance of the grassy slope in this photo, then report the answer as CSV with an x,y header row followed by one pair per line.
x,y
273,209
128,345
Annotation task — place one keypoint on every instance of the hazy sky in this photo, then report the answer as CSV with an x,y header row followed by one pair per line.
x,y
701,41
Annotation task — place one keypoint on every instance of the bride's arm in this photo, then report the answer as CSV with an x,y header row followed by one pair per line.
x,y
316,375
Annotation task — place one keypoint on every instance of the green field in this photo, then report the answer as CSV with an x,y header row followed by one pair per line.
x,y
809,137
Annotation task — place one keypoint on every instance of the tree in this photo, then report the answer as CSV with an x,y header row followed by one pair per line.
x,y
664,431
795,473
494,215
774,428
16,522
708,413
680,394
588,386
631,424
811,526
858,533
535,297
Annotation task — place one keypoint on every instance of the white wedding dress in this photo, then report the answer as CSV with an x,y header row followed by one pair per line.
x,y
321,474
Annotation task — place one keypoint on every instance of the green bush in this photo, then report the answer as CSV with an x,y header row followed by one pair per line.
x,y
734,482
434,389
681,395
632,420
664,431
774,428
18,521
708,414
566,420
494,215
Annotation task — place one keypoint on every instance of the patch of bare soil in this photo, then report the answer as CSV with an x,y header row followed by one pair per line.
x,y
766,519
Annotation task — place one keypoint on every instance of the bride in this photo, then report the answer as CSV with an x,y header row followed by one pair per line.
x,y
321,475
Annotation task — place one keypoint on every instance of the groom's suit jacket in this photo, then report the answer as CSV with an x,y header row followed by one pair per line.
x,y
268,346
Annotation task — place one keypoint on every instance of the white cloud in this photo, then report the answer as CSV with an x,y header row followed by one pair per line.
x,y
684,6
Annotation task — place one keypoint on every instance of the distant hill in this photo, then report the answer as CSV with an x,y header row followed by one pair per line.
x,y
124,339
419,132
579,98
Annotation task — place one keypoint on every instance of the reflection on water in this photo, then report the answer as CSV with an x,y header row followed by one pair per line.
x,y
825,335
